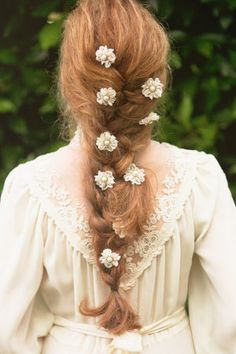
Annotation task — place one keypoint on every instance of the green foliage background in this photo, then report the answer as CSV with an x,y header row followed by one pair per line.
x,y
200,109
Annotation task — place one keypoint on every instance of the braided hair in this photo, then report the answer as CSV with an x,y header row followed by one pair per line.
x,y
141,47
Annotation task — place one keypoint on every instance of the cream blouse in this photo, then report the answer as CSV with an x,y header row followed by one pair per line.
x,y
180,277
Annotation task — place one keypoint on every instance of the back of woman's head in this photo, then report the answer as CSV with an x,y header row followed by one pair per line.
x,y
141,48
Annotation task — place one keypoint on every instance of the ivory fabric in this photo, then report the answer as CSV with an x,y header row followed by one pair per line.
x,y
130,341
186,258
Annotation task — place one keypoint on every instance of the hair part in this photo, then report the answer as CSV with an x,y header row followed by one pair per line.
x,y
141,47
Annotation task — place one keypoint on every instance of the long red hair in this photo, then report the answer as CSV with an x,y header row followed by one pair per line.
x,y
141,47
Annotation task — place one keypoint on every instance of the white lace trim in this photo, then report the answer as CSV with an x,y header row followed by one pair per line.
x,y
58,205
169,209
69,216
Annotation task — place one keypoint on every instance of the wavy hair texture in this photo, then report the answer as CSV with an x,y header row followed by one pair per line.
x,y
141,47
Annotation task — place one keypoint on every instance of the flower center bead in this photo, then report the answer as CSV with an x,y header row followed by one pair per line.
x,y
104,178
103,57
152,88
109,259
106,98
107,142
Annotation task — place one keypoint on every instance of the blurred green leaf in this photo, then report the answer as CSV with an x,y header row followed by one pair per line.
x,y
208,135
49,36
204,47
165,8
7,57
185,110
6,106
211,87
175,60
48,106
177,35
226,21
18,126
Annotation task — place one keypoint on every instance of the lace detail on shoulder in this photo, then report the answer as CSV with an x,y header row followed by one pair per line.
x,y
175,189
70,218
55,199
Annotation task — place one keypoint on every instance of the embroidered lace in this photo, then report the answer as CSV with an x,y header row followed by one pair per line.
x,y
70,215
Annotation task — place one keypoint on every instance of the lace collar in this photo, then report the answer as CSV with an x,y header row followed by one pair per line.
x,y
70,218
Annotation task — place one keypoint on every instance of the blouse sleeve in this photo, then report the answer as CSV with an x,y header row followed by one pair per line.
x,y
212,282
24,318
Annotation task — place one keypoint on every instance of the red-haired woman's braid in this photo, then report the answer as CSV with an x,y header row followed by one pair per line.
x,y
141,47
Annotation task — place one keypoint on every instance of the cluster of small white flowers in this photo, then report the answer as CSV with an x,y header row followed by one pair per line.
x,y
109,258
106,96
134,174
107,141
104,179
152,88
149,119
105,56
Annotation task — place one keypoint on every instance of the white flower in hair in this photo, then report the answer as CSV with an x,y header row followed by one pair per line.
x,y
105,55
152,88
104,179
149,119
134,174
118,230
107,141
109,258
106,96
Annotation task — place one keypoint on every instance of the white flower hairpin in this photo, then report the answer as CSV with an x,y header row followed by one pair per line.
x,y
134,174
118,230
149,119
107,141
109,258
104,180
106,96
152,88
105,56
